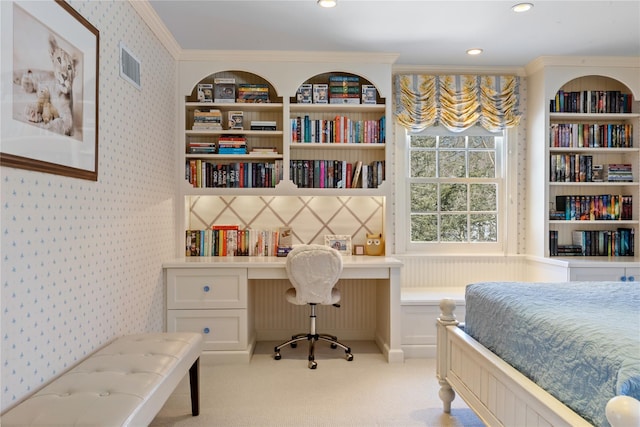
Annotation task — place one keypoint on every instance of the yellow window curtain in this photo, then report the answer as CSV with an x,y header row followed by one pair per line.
x,y
457,102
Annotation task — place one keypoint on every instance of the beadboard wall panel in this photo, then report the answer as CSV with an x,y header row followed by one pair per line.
x,y
82,260
455,272
276,319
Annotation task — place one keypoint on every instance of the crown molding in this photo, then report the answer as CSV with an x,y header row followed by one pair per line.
x,y
582,61
153,21
449,69
287,56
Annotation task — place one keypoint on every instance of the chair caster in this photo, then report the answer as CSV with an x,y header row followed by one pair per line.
x,y
277,356
312,363
349,357
334,346
293,345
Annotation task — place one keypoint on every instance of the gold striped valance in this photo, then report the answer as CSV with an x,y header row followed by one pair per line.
x,y
457,102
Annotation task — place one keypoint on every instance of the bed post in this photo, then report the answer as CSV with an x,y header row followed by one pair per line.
x,y
623,411
447,318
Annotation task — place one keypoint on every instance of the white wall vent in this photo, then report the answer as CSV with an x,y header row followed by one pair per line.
x,y
129,67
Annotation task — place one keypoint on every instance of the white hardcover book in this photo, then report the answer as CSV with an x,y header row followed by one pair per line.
x,y
365,176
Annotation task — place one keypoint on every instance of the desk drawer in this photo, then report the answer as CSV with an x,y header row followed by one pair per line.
x,y
200,288
220,329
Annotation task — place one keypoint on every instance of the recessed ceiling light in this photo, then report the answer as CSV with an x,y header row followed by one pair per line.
x,y
474,51
327,3
521,7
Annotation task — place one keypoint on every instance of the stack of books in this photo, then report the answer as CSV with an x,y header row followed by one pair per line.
x,y
232,145
263,125
263,150
248,93
225,90
204,147
344,89
207,120
619,172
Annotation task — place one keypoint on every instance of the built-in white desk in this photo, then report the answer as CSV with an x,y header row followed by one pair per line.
x,y
221,297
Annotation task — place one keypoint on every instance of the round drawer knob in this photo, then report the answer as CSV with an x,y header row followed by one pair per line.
x,y
632,279
206,330
623,278
207,288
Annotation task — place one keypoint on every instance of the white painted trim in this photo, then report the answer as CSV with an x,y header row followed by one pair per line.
x,y
581,61
288,56
450,69
151,18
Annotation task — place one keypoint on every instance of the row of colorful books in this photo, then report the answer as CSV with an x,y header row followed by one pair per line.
x,y
574,135
580,168
620,242
205,174
573,168
339,130
603,207
591,101
230,240
336,174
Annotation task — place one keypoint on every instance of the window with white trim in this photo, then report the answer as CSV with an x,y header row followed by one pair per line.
x,y
455,191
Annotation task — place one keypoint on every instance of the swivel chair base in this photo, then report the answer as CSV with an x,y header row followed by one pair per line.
x,y
313,337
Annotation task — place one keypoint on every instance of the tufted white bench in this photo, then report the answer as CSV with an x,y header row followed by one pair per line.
x,y
125,383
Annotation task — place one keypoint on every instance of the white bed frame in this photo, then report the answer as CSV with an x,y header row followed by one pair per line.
x,y
497,392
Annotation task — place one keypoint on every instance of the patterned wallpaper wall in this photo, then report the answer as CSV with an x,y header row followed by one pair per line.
x,y
81,260
521,169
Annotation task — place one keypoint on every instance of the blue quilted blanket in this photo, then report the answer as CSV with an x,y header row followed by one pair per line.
x,y
580,341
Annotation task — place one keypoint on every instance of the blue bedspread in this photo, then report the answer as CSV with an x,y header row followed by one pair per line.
x,y
580,341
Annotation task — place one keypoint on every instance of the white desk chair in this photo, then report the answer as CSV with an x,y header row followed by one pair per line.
x,y
313,271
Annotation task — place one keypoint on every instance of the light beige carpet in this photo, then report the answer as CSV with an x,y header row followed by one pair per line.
x,y
365,392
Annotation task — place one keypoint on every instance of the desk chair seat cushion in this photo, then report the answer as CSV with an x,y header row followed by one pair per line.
x,y
292,297
313,270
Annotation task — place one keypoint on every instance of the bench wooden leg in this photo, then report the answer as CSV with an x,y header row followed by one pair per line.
x,y
195,387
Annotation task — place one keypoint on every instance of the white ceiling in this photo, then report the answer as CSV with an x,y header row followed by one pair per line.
x,y
428,33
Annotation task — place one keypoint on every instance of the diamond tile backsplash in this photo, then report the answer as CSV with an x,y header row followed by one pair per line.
x,y
309,217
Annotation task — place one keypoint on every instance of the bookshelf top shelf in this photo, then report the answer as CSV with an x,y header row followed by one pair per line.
x,y
594,116
234,132
337,108
239,106
261,156
589,222
336,145
593,184
610,150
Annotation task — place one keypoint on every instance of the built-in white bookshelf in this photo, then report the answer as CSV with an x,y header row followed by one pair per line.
x,y
567,197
